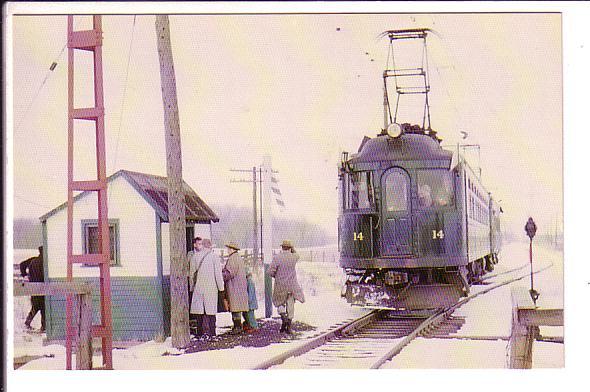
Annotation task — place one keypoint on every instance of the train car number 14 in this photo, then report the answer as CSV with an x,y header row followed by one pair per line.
x,y
438,235
358,236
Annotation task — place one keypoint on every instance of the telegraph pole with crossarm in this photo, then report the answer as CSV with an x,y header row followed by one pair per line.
x,y
265,223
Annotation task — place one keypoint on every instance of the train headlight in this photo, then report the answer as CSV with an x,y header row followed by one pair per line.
x,y
394,130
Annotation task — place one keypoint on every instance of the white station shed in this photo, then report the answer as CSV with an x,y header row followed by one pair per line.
x,y
140,261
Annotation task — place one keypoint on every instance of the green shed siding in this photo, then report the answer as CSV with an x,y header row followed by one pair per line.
x,y
137,308
166,303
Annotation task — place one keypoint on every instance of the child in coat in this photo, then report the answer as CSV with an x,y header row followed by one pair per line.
x,y
250,323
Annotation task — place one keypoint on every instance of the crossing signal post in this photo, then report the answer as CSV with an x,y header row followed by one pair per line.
x,y
531,229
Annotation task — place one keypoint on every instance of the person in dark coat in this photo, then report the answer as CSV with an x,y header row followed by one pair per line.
x,y
33,267
286,288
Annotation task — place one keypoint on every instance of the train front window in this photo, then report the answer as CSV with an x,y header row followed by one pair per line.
x,y
435,188
360,187
396,191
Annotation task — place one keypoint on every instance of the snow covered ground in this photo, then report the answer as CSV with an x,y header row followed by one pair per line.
x,y
488,315
323,308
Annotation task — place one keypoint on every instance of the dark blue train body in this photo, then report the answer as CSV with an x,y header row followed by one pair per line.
x,y
416,226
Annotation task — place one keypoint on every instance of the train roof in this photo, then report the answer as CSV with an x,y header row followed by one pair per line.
x,y
406,147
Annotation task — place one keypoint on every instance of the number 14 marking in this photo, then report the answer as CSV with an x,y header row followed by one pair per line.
x,y
438,234
358,236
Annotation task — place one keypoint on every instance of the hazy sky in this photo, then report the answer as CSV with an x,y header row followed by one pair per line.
x,y
301,88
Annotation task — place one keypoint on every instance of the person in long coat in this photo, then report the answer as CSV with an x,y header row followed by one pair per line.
x,y
208,283
194,257
286,288
236,286
33,267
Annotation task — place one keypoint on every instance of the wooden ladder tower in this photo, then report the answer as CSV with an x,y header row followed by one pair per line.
x,y
89,40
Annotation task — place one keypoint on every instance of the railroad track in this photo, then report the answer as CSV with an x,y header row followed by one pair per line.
x,y
377,337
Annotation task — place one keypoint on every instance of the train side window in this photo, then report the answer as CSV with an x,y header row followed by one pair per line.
x,y
361,190
435,188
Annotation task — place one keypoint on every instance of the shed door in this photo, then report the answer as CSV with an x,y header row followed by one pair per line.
x,y
190,234
397,225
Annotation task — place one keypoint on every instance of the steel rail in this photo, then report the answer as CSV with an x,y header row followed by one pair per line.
x,y
441,315
490,276
353,326
320,340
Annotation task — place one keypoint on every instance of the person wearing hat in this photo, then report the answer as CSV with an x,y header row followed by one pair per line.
x,y
236,286
286,288
207,283
195,257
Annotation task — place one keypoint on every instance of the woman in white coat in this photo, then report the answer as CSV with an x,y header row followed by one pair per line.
x,y
208,283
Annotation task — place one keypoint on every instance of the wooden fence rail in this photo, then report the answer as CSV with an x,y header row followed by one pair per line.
x,y
526,320
83,295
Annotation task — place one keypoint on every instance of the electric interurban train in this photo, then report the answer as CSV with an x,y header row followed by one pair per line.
x,y
416,227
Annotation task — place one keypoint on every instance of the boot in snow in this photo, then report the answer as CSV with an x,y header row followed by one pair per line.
x,y
247,328
284,322
237,328
288,327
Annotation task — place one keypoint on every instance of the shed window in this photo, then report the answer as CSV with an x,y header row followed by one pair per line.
x,y
435,188
90,239
360,188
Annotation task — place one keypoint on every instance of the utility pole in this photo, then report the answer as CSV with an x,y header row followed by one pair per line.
x,y
267,231
254,181
255,249
265,174
179,324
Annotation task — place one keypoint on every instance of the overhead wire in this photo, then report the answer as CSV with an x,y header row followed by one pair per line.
x,y
129,51
49,72
31,202
441,80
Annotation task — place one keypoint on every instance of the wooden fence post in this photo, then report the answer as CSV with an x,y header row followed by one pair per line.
x,y
83,326
521,337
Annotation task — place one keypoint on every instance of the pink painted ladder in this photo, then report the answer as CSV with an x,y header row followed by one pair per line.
x,y
89,40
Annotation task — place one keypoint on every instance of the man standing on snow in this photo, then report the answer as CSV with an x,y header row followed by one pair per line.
x,y
236,286
286,288
194,258
208,282
33,267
